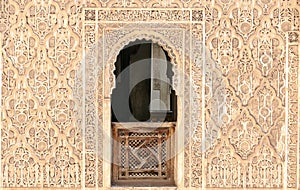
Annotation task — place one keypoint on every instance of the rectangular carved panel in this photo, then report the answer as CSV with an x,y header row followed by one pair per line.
x,y
142,153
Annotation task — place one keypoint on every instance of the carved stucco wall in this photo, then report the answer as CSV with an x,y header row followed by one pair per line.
x,y
47,47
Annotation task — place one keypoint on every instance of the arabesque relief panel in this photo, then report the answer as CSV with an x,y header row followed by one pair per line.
x,y
238,61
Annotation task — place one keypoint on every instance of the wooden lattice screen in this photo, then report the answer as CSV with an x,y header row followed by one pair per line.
x,y
142,153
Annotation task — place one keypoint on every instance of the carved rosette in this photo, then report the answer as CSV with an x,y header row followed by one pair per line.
x,y
42,137
21,108
226,5
245,135
267,48
62,169
224,168
277,137
245,19
8,16
42,77
265,169
63,48
21,46
21,169
212,20
224,107
9,78
225,46
285,19
266,5
60,107
9,137
42,17
245,78
265,106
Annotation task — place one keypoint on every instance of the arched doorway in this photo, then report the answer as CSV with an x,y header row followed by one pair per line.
x,y
143,115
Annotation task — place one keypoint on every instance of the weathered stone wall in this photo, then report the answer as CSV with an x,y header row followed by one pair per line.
x,y
51,127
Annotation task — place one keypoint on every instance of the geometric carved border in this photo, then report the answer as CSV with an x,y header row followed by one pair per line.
x,y
115,28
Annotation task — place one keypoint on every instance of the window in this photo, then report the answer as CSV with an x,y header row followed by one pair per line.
x,y
144,108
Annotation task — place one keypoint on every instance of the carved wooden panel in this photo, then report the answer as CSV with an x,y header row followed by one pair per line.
x,y
237,61
142,154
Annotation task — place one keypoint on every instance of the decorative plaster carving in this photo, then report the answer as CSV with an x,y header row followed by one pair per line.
x,y
46,142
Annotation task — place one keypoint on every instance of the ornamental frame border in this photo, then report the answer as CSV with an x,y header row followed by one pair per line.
x,y
102,144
